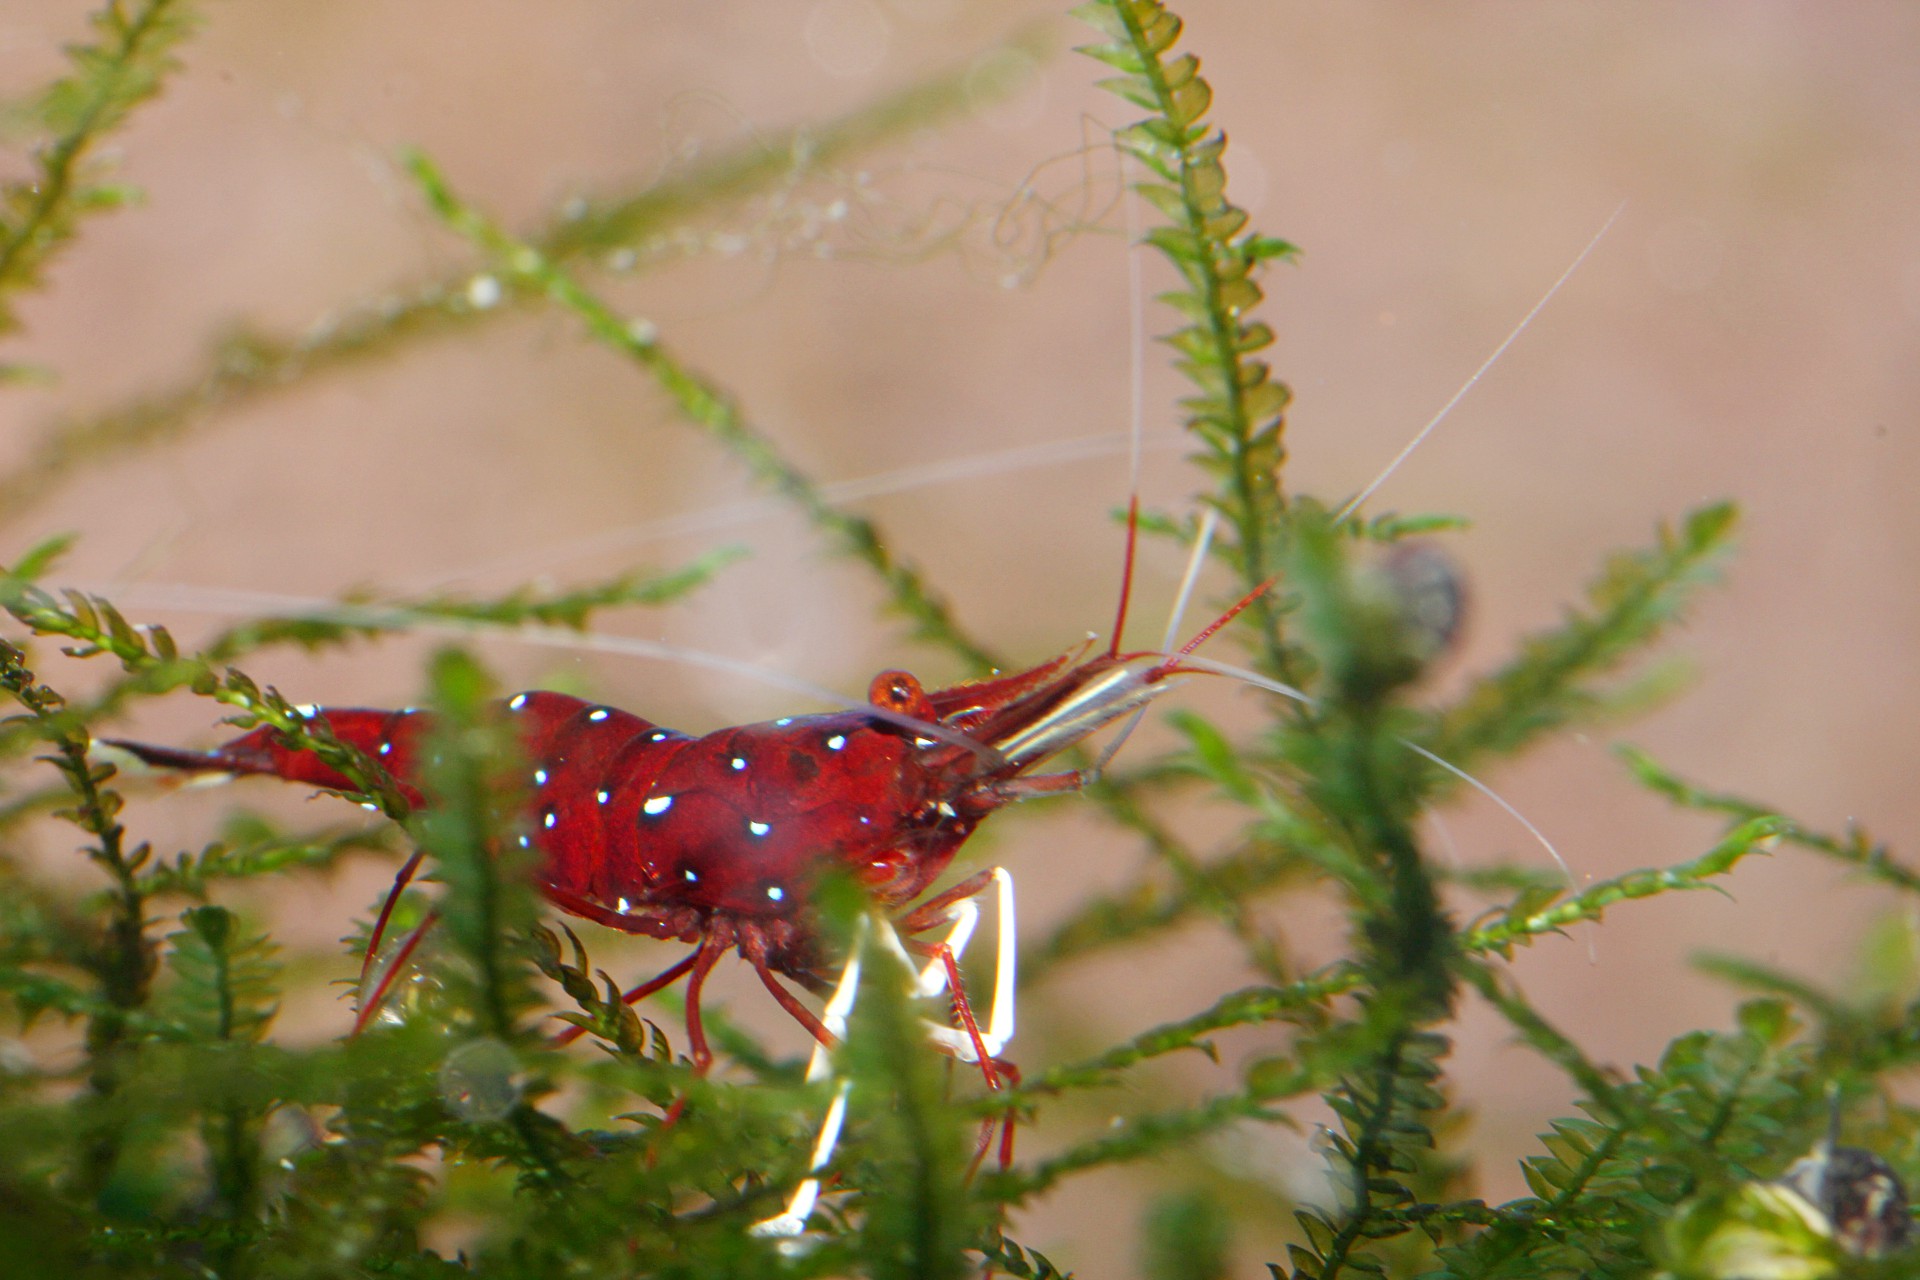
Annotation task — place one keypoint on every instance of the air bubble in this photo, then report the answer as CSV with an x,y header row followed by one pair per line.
x,y
477,1081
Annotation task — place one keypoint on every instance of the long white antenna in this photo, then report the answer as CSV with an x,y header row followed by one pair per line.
x,y
973,466
1488,363
1539,836
1196,560
229,602
1196,663
1137,415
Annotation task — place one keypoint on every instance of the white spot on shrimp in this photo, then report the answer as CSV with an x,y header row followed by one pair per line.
x,y
308,710
518,702
623,906
690,876
836,742
525,843
658,735
865,821
738,763
550,819
923,742
946,810
386,748
598,714
783,722
775,892
601,796
539,777
758,828
656,805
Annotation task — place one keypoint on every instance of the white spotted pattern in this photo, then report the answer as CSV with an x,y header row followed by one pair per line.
x,y
775,892
386,748
738,763
601,796
598,714
657,805
758,828
550,819
519,701
836,742
540,777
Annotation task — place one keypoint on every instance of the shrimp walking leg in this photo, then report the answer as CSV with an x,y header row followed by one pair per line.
x,y
941,975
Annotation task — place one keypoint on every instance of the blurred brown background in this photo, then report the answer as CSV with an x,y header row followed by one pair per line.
x,y
1748,329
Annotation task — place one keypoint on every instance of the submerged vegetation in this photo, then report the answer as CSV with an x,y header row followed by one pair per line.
x,y
153,1124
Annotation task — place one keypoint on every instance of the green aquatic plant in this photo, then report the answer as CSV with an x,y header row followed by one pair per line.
x,y
180,1137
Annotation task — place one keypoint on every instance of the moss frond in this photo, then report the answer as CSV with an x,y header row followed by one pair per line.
x,y
126,64
1633,600
177,1130
247,366
1238,411
709,407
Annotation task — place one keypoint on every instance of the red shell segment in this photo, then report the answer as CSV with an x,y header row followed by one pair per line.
x,y
647,825
743,820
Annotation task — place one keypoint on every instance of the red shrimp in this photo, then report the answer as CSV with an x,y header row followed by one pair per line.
x,y
720,840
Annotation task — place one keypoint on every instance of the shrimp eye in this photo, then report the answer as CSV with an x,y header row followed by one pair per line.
x,y
899,691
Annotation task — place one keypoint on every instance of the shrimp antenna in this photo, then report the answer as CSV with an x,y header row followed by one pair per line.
x,y
1190,662
1202,543
228,602
1447,408
1137,400
1539,836
959,469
